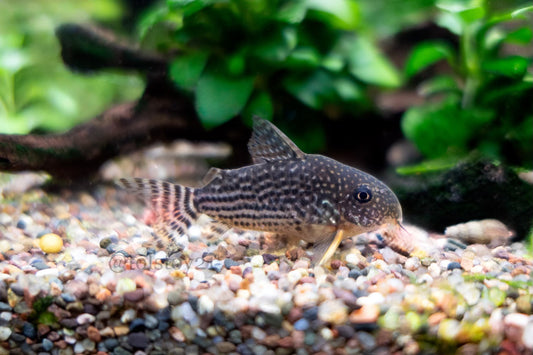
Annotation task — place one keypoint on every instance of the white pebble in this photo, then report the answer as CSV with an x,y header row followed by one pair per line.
x,y
85,318
434,270
352,259
333,311
160,255
194,232
527,336
47,273
326,333
295,275
7,316
375,298
257,261
128,315
412,264
205,305
5,333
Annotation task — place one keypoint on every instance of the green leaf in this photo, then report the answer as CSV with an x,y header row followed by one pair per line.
x,y
343,14
438,85
512,66
444,128
333,62
190,7
428,166
347,89
520,12
467,10
186,69
260,105
369,65
219,98
522,35
276,46
292,12
426,54
303,57
313,90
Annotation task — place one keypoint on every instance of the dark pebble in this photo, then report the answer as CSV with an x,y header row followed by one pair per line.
x,y
137,325
29,330
366,340
39,264
216,265
235,336
269,258
18,338
345,331
163,326
354,273
138,340
70,323
153,335
243,349
192,349
3,291
111,343
454,265
150,321
17,289
228,263
225,347
202,342
119,350
90,308
193,301
4,307
311,313
21,224
163,315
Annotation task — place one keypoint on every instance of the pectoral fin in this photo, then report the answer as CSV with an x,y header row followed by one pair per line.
x,y
324,250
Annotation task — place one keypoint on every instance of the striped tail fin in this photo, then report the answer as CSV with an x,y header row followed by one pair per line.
x,y
173,204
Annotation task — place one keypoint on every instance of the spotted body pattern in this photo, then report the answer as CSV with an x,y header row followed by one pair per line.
x,y
302,196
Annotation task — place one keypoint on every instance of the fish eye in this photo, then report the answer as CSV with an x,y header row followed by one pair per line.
x,y
362,194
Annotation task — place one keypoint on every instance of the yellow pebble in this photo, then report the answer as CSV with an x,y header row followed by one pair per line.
x,y
51,243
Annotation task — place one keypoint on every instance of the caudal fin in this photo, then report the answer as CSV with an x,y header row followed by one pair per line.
x,y
172,204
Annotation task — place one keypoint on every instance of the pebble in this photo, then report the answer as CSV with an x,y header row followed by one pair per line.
x,y
257,261
51,243
368,313
47,345
226,296
125,285
85,318
5,333
138,340
333,311
128,315
453,265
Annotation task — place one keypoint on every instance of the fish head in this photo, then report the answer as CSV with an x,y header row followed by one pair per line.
x,y
370,205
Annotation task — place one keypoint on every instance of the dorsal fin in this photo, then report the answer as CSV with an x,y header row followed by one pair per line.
x,y
269,144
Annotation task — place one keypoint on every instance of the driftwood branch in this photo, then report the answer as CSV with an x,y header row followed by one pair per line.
x,y
162,114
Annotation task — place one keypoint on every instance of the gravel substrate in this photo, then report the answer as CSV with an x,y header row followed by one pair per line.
x,y
111,290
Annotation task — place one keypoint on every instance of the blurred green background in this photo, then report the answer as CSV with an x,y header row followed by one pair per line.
x,y
458,72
